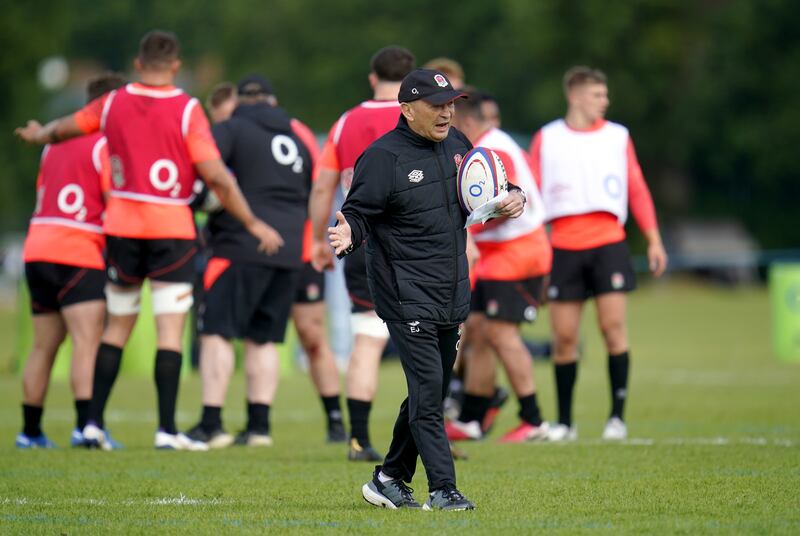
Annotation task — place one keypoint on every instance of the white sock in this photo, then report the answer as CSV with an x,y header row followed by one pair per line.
x,y
383,478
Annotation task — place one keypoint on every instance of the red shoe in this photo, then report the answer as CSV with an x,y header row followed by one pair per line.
x,y
526,432
463,431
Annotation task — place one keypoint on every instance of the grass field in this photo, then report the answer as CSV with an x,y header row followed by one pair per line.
x,y
715,448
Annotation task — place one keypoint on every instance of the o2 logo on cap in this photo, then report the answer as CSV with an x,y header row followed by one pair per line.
x,y
441,81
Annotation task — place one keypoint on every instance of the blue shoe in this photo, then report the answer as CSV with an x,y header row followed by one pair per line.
x,y
38,442
76,439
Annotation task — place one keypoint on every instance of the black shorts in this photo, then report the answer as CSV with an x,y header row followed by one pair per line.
x,y
249,301
132,260
577,275
53,286
310,285
355,277
512,301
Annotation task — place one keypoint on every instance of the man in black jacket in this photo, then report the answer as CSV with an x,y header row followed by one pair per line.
x,y
404,197
249,294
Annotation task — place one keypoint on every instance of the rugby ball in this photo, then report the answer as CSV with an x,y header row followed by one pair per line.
x,y
481,177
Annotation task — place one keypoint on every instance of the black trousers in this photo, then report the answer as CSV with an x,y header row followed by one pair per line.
x,y
427,353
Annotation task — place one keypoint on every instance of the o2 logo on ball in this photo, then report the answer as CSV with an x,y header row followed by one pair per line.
x,y
481,177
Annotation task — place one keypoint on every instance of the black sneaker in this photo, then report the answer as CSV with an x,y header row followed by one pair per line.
x,y
448,499
216,439
362,453
336,432
393,494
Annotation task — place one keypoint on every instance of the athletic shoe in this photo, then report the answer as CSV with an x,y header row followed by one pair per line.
x,y
95,437
76,438
216,439
362,453
615,430
336,432
527,432
448,499
463,431
393,494
500,397
179,441
36,442
249,438
562,432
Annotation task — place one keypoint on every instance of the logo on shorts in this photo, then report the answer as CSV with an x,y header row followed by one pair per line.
x,y
530,313
112,273
492,307
617,280
458,158
312,292
414,326
552,292
416,175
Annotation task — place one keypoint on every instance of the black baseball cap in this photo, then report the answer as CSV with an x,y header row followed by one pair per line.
x,y
253,85
429,85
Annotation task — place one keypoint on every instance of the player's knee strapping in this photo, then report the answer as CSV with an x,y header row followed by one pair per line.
x,y
368,324
122,303
172,298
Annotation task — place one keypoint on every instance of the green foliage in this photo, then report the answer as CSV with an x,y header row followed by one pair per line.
x,y
707,88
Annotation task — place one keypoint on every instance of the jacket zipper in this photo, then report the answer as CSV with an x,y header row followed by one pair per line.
x,y
455,237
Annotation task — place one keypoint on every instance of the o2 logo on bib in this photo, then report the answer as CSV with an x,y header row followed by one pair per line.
x,y
70,201
613,186
164,177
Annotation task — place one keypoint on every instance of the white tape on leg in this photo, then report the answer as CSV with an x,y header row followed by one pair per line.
x,y
121,303
172,298
368,323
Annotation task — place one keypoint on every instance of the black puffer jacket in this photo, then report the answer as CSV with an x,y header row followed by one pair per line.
x,y
404,198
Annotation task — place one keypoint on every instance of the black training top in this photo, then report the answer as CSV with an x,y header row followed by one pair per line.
x,y
273,168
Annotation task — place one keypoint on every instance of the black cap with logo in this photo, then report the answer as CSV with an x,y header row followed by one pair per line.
x,y
429,85
253,85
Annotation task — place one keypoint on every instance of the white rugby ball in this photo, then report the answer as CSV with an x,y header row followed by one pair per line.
x,y
481,177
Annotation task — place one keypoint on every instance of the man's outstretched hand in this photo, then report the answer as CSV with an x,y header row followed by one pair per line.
x,y
341,236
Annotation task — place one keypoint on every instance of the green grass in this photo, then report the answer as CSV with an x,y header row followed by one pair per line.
x,y
715,422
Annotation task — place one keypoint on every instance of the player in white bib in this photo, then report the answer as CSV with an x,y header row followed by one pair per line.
x,y
589,177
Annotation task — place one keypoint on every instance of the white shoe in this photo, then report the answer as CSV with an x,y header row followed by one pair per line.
x,y
95,437
615,430
178,441
562,432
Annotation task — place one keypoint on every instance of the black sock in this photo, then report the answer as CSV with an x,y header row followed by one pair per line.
x,y
31,420
258,418
359,420
529,410
565,382
474,408
618,374
333,409
81,412
211,419
106,368
167,376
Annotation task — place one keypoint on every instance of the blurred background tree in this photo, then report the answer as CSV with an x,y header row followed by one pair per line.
x,y
706,87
